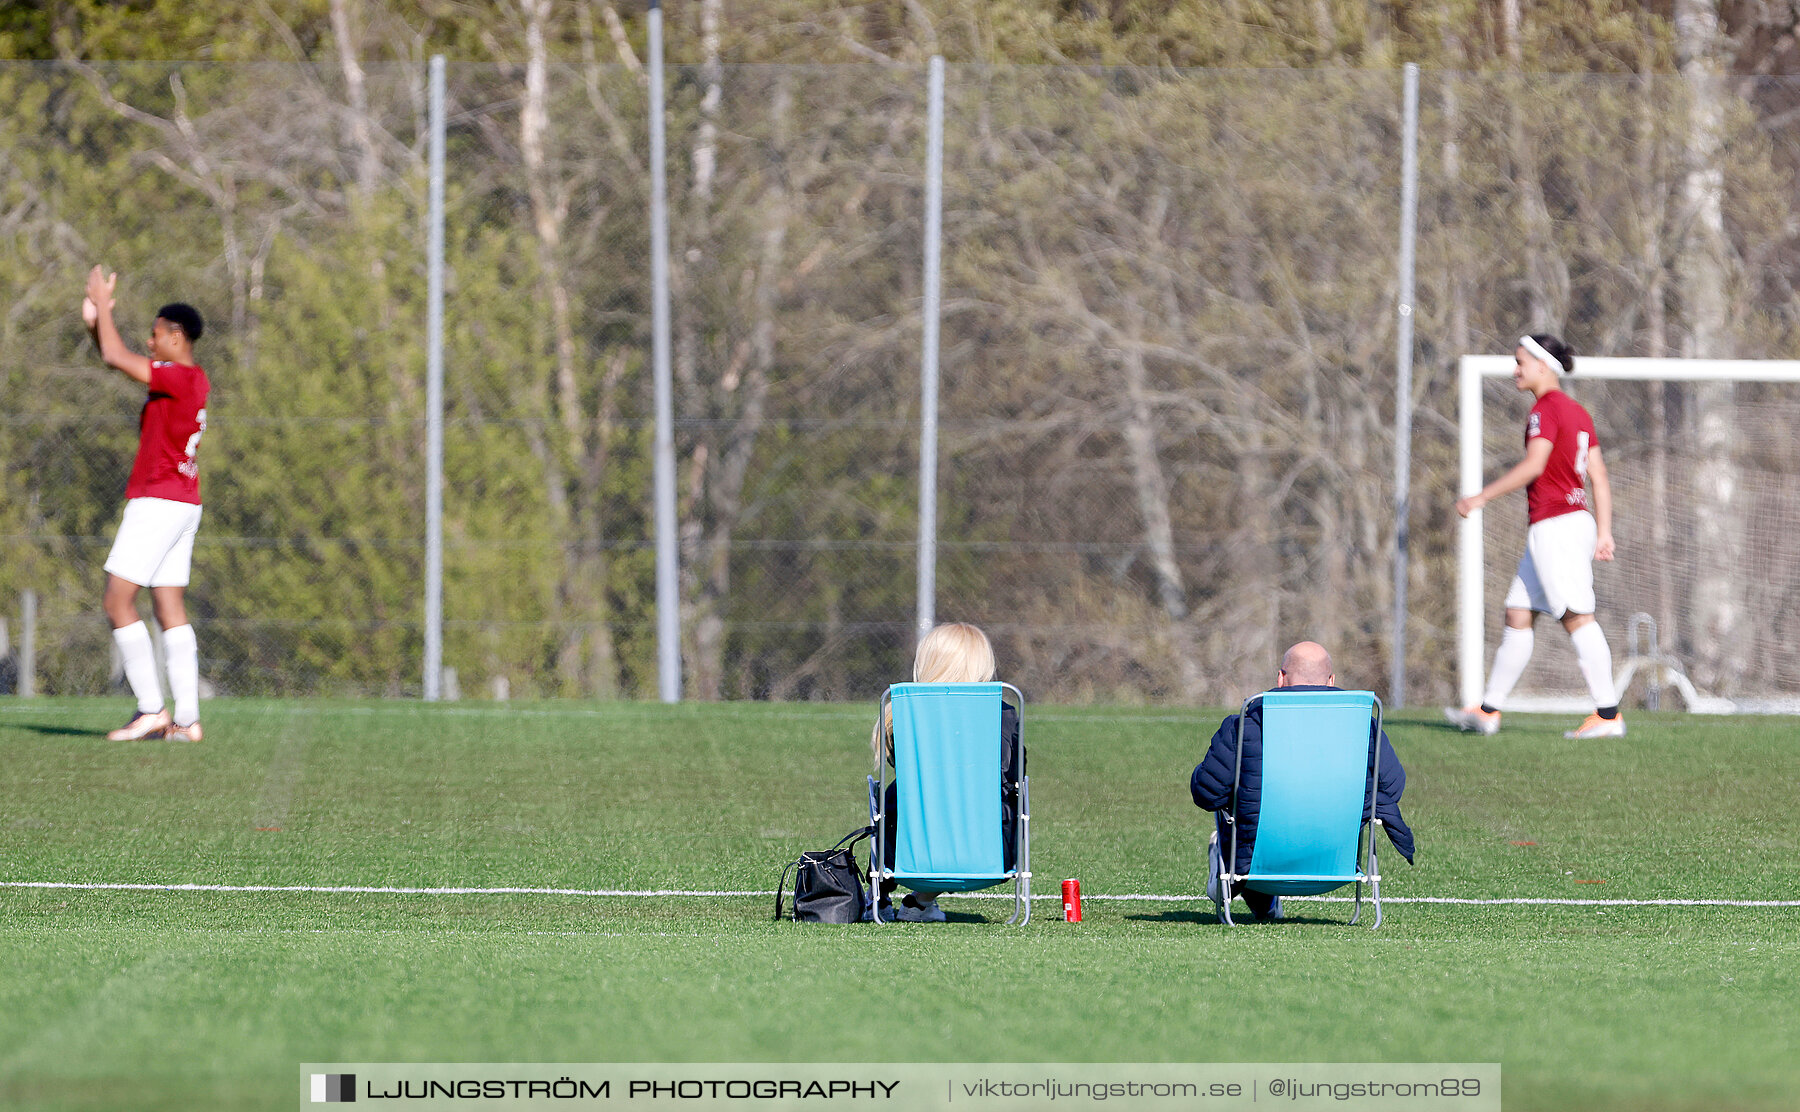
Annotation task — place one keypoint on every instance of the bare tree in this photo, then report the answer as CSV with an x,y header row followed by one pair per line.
x,y
1705,262
686,277
749,390
361,128
573,469
1548,290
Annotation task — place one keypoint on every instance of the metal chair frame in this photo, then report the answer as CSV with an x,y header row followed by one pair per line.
x,y
1369,827
1020,875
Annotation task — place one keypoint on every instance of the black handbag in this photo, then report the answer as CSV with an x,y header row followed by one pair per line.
x,y
828,884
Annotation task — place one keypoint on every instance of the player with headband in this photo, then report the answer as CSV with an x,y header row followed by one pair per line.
x,y
1556,573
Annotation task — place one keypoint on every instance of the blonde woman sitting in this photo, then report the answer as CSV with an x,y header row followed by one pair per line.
x,y
955,652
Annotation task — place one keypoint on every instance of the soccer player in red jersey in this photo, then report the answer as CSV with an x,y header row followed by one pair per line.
x,y
1556,573
155,543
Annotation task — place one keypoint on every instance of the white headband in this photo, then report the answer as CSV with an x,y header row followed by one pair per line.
x,y
1542,353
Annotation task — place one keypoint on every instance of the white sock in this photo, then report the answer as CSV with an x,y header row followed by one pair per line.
x,y
1595,656
181,655
1510,660
139,657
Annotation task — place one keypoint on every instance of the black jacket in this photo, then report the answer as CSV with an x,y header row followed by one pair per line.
x,y
1211,784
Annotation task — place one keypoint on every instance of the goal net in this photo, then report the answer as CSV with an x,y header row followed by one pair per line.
x,y
1702,605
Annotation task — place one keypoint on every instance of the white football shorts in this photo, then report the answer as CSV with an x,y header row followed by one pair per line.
x,y
1556,573
155,545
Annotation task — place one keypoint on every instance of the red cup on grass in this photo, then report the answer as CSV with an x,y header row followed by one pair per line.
x,y
1072,900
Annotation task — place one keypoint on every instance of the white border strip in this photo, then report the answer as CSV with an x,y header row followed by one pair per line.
x,y
40,708
648,893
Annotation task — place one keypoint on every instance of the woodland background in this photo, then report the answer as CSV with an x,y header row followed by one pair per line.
x,y
1170,277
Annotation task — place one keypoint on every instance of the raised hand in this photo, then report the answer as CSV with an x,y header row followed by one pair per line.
x,y
99,291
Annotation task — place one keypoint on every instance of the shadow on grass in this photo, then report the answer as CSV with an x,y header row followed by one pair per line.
x,y
951,915
970,917
63,731
1243,918
1205,917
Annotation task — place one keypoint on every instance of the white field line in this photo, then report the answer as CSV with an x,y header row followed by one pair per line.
x,y
651,893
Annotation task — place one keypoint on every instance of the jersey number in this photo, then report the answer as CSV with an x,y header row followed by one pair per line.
x,y
188,466
193,444
1581,451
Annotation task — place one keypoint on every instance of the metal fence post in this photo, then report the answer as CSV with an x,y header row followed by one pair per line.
x,y
928,369
668,597
1409,210
27,644
434,399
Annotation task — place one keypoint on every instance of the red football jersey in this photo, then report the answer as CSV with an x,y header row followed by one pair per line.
x,y
169,435
1562,488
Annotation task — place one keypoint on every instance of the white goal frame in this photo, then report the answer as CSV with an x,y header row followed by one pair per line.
x,y
1471,631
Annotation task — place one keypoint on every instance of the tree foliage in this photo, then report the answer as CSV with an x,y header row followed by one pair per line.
x,y
1168,331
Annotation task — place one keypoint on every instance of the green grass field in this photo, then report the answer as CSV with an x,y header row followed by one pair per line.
x,y
116,999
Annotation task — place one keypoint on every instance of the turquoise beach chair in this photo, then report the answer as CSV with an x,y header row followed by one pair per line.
x,y
1317,788
947,770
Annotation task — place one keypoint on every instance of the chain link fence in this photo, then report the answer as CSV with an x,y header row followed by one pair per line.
x,y
1168,336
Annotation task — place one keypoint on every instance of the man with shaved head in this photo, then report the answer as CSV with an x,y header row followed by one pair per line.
x,y
1304,667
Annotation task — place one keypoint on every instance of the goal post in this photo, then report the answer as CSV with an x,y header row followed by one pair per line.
x,y
1472,605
